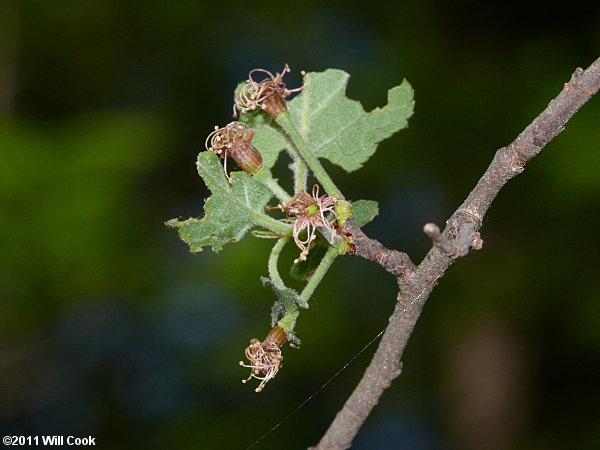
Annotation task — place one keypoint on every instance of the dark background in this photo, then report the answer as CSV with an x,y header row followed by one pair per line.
x,y
110,328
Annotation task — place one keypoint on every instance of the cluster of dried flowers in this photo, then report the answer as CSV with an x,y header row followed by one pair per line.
x,y
308,211
235,139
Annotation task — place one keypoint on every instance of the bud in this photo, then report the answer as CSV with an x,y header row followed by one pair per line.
x,y
347,244
343,211
235,140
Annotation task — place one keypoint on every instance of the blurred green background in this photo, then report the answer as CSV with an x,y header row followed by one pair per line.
x,y
110,328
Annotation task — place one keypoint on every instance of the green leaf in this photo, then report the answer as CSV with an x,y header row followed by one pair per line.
x,y
334,126
230,212
268,138
363,211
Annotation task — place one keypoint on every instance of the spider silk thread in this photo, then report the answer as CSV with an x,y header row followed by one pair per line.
x,y
310,397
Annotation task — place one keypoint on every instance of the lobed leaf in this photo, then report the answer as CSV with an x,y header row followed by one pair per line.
x,y
335,127
229,213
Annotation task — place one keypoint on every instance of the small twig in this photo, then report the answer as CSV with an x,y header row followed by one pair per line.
x,y
393,261
460,234
453,246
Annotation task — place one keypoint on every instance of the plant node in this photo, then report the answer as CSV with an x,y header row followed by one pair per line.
x,y
343,211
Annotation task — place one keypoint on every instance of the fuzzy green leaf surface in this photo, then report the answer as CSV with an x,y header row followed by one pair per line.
x,y
335,127
230,212
268,138
363,211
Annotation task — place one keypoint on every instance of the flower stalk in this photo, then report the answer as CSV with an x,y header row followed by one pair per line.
x,y
274,259
319,273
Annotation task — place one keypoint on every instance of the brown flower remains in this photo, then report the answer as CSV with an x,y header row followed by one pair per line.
x,y
267,94
235,140
265,357
309,212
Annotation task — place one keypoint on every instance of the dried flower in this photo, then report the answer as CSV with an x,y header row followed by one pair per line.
x,y
309,213
267,94
235,140
265,357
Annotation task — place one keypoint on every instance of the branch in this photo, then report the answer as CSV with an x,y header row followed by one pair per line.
x,y
460,235
393,261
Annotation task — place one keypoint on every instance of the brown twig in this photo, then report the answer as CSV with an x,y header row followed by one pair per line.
x,y
460,235
393,261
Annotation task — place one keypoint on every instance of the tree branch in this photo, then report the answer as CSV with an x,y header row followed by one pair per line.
x,y
460,235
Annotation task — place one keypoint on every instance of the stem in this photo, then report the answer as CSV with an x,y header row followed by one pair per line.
x,y
300,173
271,224
272,264
285,121
265,177
288,322
324,265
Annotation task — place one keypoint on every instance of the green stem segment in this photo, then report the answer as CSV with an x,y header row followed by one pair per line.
x,y
273,259
300,170
272,224
288,322
324,265
285,121
265,177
